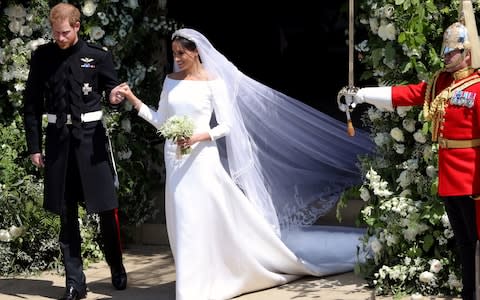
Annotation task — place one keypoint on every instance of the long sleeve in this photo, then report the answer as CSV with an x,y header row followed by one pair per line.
x,y
408,95
222,110
34,106
158,117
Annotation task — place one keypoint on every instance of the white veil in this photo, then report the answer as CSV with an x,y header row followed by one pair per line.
x,y
291,160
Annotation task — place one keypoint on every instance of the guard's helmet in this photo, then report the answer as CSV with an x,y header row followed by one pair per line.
x,y
455,37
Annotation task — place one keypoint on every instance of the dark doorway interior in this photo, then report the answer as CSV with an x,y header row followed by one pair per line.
x,y
292,46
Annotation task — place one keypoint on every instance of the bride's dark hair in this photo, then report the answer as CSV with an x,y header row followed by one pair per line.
x,y
186,43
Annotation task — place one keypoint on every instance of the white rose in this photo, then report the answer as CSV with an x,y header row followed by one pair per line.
x,y
409,124
364,194
5,236
388,11
419,137
435,266
15,26
426,277
88,8
387,32
397,134
15,231
96,33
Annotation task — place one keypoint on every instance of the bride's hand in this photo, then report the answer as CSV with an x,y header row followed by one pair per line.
x,y
126,91
184,143
195,138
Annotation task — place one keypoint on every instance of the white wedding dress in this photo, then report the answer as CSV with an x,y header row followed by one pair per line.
x,y
222,245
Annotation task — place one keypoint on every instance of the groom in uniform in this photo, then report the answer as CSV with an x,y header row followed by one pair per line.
x,y
66,81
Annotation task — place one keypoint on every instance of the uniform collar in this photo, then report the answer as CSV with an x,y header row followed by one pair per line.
x,y
70,50
463,73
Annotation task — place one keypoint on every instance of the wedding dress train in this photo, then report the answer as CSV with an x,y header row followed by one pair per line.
x,y
222,245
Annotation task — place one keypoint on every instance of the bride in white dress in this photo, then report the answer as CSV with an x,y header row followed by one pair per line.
x,y
239,204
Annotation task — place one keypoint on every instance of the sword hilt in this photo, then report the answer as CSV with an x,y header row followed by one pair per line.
x,y
346,104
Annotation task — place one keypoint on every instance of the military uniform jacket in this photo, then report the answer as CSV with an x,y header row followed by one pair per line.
x,y
71,82
458,168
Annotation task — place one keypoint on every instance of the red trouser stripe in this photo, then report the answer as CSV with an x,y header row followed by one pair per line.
x,y
117,226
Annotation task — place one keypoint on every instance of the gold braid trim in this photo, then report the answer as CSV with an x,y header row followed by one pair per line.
x,y
434,110
427,112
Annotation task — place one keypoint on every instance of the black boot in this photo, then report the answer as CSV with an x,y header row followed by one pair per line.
x,y
71,293
119,277
110,231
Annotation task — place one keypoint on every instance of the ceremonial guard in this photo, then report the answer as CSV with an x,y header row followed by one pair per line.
x,y
451,101
68,81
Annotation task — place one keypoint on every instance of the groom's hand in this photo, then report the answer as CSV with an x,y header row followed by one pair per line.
x,y
116,97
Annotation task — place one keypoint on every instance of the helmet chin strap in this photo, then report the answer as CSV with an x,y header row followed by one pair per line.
x,y
456,62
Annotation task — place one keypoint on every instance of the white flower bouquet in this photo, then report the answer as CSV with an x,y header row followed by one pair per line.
x,y
178,127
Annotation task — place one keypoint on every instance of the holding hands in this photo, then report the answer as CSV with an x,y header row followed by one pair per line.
x,y
122,91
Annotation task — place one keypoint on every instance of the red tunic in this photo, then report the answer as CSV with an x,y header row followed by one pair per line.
x,y
458,169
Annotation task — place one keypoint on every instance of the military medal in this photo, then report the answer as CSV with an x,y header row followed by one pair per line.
x,y
86,89
463,98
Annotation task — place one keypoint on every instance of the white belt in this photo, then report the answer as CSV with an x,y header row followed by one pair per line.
x,y
85,117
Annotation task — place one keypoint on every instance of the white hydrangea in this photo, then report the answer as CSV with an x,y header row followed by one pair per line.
x,y
88,8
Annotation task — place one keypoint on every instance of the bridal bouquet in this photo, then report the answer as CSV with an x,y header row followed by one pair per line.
x,y
178,127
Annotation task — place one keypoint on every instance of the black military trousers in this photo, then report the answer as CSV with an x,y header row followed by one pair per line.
x,y
70,239
461,213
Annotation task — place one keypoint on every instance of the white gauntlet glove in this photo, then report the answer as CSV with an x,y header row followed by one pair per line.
x,y
380,97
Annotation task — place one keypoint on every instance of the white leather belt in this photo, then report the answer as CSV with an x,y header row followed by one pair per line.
x,y
85,117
